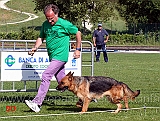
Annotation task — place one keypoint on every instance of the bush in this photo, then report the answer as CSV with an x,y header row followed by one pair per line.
x,y
24,34
29,34
151,38
124,39
13,35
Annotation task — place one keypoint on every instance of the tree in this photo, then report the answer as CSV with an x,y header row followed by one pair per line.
x,y
80,10
140,11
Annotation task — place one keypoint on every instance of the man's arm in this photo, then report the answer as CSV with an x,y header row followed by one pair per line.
x,y
107,36
78,45
38,42
106,40
78,39
36,46
94,39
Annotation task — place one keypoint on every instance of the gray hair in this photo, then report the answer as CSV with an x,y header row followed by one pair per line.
x,y
54,8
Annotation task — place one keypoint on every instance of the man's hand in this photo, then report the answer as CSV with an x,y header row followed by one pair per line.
x,y
76,54
105,41
32,51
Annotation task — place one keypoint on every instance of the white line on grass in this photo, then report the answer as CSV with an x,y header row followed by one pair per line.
x,y
44,115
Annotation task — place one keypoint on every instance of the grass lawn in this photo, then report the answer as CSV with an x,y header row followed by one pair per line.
x,y
10,16
139,71
115,23
24,6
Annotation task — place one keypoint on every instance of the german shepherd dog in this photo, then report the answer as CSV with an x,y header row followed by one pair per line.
x,y
88,88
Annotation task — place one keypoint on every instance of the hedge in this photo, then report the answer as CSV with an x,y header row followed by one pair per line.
x,y
116,39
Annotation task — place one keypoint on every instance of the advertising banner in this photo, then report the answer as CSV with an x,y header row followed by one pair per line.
x,y
18,66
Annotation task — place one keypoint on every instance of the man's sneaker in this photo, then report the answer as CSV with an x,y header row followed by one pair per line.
x,y
32,105
94,100
97,60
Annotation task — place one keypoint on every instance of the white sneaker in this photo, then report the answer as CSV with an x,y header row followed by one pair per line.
x,y
32,106
94,100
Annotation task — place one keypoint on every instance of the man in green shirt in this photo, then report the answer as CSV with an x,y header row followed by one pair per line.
x,y
56,31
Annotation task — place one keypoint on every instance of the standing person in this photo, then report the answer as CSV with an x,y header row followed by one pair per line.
x,y
57,33
100,42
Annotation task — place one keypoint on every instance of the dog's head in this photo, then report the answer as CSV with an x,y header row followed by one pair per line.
x,y
66,82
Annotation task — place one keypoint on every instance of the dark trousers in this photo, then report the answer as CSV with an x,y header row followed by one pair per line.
x,y
103,48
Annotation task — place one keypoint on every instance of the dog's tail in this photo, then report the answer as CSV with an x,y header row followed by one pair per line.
x,y
136,93
129,93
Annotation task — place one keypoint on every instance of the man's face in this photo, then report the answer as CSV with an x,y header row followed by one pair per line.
x,y
99,27
51,17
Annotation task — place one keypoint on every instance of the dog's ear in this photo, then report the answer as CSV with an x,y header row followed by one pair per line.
x,y
70,77
72,74
69,74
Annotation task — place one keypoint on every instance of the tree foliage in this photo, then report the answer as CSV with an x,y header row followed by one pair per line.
x,y
79,10
140,11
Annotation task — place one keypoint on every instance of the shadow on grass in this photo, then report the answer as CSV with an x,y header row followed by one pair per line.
x,y
22,98
52,101
73,108
15,99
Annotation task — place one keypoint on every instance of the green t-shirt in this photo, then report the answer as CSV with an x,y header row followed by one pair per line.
x,y
57,38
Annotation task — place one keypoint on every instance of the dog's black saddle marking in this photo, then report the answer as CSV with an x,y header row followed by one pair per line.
x,y
100,84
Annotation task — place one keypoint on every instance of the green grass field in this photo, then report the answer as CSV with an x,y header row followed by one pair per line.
x,y
24,6
139,71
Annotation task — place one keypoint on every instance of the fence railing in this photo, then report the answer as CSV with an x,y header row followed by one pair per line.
x,y
25,45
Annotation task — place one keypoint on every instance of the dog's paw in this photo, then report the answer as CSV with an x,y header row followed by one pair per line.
x,y
116,111
82,112
79,106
